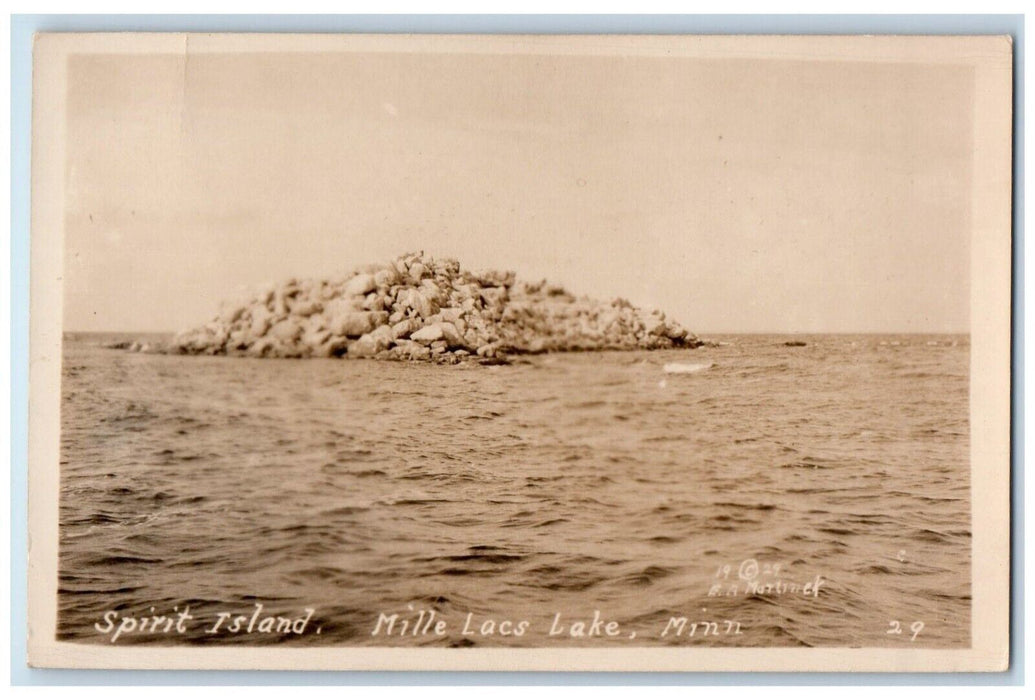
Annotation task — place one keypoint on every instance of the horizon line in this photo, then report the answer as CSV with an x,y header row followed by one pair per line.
x,y
699,334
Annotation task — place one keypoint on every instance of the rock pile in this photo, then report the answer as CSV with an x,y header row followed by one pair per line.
x,y
418,308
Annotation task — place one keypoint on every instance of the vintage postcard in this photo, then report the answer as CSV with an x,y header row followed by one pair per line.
x,y
630,353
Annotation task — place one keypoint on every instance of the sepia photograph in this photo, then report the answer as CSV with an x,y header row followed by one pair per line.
x,y
521,352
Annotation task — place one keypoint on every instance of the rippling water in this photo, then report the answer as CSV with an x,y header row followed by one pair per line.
x,y
567,484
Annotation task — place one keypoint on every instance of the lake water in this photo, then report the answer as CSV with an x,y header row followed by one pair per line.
x,y
820,493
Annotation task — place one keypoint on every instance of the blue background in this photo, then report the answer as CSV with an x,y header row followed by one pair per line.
x,y
24,26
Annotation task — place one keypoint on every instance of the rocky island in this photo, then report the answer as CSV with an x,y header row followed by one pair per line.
x,y
419,308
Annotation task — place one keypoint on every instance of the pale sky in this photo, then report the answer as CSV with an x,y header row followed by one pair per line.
x,y
737,195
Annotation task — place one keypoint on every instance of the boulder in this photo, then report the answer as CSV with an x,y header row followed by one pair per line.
x,y
424,306
364,347
409,350
404,328
372,343
676,332
334,346
428,334
417,272
287,330
305,307
357,323
386,277
488,350
451,335
655,326
260,324
360,285
343,305
315,338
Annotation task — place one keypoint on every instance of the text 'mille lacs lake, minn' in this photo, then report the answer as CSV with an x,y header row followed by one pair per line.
x,y
520,352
